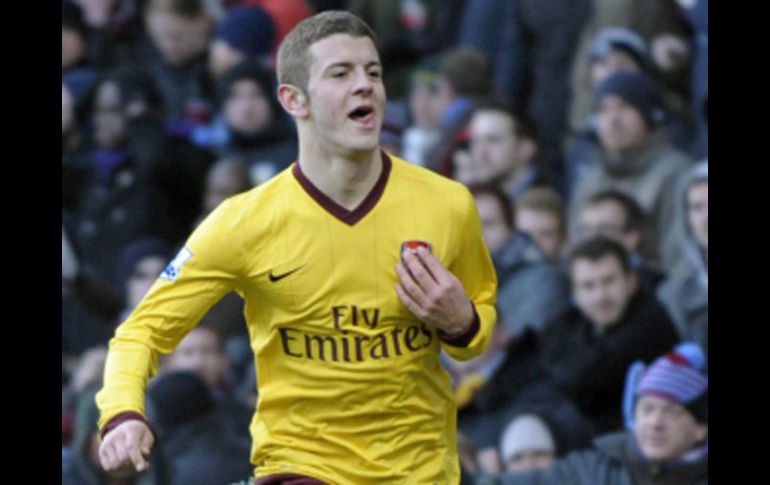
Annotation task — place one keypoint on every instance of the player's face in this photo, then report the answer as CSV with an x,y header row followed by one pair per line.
x,y
346,94
665,430
602,289
698,212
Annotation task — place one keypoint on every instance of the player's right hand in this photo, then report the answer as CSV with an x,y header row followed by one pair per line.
x,y
127,447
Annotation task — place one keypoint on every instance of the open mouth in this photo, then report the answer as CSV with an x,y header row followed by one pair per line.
x,y
363,115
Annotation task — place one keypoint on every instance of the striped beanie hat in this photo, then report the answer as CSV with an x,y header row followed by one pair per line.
x,y
678,377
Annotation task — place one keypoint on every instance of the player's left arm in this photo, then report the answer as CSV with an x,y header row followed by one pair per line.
x,y
458,302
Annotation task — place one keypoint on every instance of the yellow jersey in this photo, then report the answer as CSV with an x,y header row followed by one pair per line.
x,y
351,390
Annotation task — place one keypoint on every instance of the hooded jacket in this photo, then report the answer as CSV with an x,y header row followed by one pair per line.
x,y
685,292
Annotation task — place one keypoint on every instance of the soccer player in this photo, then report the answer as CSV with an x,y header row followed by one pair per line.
x,y
356,267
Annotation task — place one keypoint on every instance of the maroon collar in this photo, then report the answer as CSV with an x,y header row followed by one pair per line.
x,y
347,216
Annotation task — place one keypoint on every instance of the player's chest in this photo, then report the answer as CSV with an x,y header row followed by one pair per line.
x,y
319,262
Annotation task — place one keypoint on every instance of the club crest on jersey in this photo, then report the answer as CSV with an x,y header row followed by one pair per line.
x,y
413,245
174,267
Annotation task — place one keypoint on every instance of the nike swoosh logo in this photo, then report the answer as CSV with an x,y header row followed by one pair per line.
x,y
274,278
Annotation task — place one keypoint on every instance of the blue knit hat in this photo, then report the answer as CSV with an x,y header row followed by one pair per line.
x,y
636,89
249,29
622,39
677,377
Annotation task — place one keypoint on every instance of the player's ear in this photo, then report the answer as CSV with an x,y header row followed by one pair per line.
x,y
293,100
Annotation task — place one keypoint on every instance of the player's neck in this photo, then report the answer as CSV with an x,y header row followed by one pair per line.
x,y
347,180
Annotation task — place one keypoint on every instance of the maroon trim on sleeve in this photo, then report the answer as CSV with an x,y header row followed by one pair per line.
x,y
347,216
288,479
467,336
122,418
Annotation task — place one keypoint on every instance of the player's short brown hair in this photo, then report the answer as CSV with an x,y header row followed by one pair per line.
x,y
293,64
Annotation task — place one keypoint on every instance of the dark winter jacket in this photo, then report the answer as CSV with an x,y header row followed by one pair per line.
x,y
591,368
520,385
685,292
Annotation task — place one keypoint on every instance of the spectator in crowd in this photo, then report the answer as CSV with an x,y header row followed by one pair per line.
x,y
540,212
180,31
464,78
123,198
506,381
646,19
527,444
227,177
139,265
202,352
115,34
587,349
685,292
424,132
531,290
636,157
668,440
507,378
245,32
503,145
195,442
613,214
609,50
252,125
612,49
